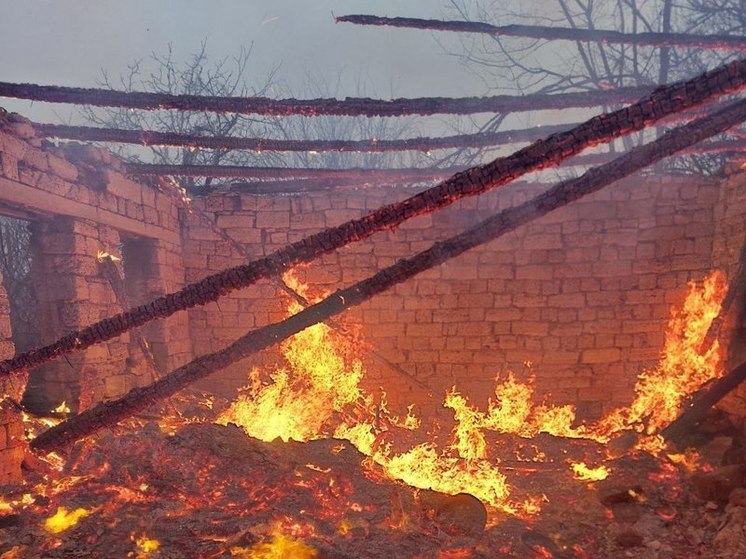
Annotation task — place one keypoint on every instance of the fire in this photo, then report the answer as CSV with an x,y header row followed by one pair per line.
x,y
102,255
689,460
583,472
300,400
146,546
318,395
62,408
512,411
280,547
64,519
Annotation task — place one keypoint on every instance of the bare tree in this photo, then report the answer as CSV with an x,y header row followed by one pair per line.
x,y
536,65
228,78
343,128
197,76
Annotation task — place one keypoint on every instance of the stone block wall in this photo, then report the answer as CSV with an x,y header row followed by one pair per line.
x,y
580,298
583,295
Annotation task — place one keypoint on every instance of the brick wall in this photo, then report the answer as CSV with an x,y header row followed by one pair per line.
x,y
583,294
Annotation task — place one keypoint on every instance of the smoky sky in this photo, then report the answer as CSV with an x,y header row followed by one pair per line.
x,y
69,43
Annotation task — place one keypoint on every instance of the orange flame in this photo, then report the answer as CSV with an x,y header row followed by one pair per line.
x,y
583,472
279,547
318,394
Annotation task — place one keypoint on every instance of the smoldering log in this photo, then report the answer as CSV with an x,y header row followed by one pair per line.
x,y
350,106
109,413
546,33
734,292
663,102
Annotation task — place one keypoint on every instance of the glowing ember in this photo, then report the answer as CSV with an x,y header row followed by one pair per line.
x,y
688,460
146,546
64,519
62,408
280,547
583,472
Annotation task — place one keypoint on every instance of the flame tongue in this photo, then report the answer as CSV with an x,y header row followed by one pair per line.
x,y
682,369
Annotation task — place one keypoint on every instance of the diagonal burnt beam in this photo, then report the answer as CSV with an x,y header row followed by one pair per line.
x,y
652,39
374,145
108,414
544,153
350,106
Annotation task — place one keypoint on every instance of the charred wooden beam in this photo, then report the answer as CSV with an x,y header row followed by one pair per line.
x,y
544,153
410,174
723,146
301,185
546,33
109,413
231,143
682,427
116,281
350,106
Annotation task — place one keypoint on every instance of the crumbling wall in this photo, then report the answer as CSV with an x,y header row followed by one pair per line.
x,y
579,298
81,206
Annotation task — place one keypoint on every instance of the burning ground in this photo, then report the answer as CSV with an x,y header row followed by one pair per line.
x,y
517,479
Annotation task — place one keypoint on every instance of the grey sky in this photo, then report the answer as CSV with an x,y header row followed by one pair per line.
x,y
68,42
